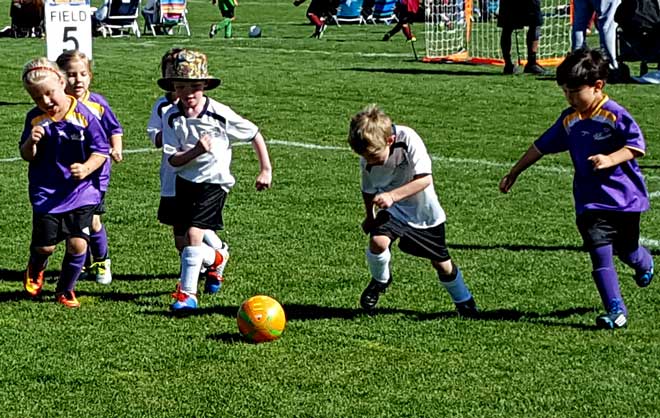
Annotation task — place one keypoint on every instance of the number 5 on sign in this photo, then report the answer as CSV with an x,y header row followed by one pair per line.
x,y
68,26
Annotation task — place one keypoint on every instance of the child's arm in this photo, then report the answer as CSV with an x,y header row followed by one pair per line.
x,y
117,148
416,185
265,176
29,147
81,170
184,157
601,161
529,158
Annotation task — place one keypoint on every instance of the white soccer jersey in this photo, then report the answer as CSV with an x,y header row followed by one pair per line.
x,y
224,126
408,158
155,125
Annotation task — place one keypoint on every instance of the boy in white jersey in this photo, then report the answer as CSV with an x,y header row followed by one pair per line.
x,y
198,135
401,203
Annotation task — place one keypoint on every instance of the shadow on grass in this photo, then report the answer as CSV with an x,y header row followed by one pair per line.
x,y
3,103
523,247
417,71
52,275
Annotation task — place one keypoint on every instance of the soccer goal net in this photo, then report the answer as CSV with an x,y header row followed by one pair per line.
x,y
466,31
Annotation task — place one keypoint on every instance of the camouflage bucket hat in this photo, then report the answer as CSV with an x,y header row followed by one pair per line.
x,y
188,65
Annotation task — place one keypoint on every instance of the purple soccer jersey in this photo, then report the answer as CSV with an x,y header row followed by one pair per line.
x,y
101,109
609,128
70,140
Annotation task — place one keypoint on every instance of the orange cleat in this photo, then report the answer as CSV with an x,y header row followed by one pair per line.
x,y
67,299
32,284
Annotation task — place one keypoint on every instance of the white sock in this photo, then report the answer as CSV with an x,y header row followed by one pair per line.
x,y
191,262
457,288
379,265
208,255
212,239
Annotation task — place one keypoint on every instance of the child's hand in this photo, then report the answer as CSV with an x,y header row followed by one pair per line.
x,y
264,180
117,155
507,182
204,144
79,171
37,133
600,161
383,200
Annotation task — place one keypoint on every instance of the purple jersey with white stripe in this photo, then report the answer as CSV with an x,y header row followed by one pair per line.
x,y
70,140
609,128
101,109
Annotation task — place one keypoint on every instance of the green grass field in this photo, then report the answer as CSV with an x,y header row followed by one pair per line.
x,y
535,352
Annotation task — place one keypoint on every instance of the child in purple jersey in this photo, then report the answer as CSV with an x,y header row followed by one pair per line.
x,y
78,72
65,145
608,187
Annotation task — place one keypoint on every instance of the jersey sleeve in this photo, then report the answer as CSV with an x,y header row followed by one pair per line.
x,y
366,183
155,123
553,140
631,132
419,156
98,141
110,123
171,143
238,128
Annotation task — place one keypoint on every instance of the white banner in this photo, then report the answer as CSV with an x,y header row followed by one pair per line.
x,y
68,27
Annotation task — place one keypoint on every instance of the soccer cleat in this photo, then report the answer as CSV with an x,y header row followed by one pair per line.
x,y
644,278
214,273
412,39
67,299
101,271
509,69
467,309
213,30
32,284
370,295
184,301
612,320
533,69
387,37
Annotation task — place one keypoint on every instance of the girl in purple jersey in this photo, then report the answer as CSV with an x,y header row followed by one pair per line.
x,y
64,145
78,71
609,191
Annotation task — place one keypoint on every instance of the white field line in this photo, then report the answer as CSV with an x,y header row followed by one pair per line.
x,y
466,161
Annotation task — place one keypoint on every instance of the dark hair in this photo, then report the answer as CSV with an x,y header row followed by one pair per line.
x,y
582,67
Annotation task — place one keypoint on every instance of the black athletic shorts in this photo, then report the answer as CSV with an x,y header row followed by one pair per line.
x,y
199,204
426,243
100,208
516,14
601,227
50,228
167,214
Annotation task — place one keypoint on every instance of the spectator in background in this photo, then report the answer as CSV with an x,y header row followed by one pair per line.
x,y
583,11
27,19
405,11
515,14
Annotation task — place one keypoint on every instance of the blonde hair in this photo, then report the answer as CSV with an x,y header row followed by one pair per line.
x,y
369,130
39,69
65,59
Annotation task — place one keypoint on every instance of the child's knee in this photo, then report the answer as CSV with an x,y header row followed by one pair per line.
x,y
444,268
76,245
379,243
48,250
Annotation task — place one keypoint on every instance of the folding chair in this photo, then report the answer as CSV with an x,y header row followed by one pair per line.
x,y
122,17
383,12
349,11
169,15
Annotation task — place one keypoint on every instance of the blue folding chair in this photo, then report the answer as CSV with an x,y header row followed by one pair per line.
x,y
349,11
383,12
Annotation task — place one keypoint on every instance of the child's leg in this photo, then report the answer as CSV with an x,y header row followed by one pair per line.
x,y
393,31
98,250
505,45
33,281
532,41
72,264
378,259
407,31
606,279
451,278
642,261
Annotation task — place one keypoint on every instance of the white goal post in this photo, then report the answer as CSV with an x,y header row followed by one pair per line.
x,y
466,31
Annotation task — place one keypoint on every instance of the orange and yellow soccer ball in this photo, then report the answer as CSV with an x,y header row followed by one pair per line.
x,y
261,318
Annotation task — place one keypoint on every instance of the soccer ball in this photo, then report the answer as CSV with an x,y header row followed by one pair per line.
x,y
255,32
261,318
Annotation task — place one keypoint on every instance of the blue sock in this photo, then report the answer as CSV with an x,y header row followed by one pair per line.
x,y
455,285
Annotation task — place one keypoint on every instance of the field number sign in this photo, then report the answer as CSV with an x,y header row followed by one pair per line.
x,y
68,27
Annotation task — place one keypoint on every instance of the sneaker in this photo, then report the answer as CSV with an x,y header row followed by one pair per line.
x,y
387,37
370,295
101,271
467,309
213,30
67,299
214,273
184,301
612,320
322,31
644,278
412,39
534,69
509,68
32,284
